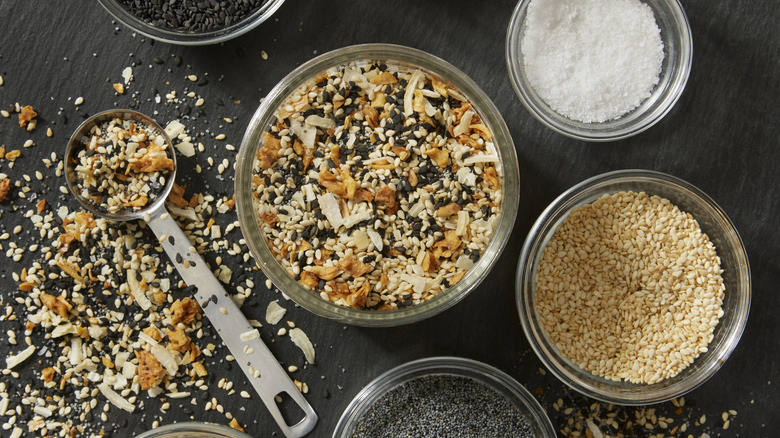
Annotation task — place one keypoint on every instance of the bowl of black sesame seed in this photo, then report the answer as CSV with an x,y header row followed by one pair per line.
x,y
444,396
377,185
633,287
191,22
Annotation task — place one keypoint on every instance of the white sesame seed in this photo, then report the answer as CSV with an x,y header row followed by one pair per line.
x,y
586,328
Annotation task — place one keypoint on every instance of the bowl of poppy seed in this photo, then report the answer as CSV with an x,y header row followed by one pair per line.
x,y
377,185
191,22
444,396
633,287
192,429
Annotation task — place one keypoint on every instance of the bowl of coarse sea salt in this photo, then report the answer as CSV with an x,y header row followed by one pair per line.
x,y
599,70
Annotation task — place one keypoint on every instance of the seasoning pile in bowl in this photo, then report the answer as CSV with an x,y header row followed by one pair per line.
x,y
443,405
123,167
192,16
592,60
630,288
378,186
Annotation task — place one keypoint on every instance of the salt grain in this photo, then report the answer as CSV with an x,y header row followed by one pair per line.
x,y
592,60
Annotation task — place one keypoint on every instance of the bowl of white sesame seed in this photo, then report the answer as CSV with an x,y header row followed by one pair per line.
x,y
377,185
633,287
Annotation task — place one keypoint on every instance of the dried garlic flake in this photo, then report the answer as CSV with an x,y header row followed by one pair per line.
x,y
302,341
274,313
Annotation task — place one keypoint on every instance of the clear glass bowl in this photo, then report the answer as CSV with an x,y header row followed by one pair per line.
x,y
736,277
675,69
186,38
193,430
264,116
449,366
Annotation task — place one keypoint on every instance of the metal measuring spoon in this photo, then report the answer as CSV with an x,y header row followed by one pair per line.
x,y
242,339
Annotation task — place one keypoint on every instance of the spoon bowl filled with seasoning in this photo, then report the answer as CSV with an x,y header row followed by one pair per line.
x,y
599,70
377,185
121,165
633,287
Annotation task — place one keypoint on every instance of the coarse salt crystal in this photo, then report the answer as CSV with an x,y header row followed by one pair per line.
x,y
592,60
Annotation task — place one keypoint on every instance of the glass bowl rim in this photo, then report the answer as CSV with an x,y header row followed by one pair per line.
x,y
603,131
191,38
486,374
555,212
219,430
482,104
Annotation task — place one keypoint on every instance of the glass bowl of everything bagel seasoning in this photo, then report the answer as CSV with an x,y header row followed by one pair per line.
x,y
377,185
192,22
599,70
444,396
633,287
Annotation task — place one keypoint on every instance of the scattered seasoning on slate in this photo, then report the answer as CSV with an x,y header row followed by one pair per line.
x,y
443,405
192,15
93,293
578,416
377,178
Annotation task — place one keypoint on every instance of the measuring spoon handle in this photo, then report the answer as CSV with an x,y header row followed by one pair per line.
x,y
257,362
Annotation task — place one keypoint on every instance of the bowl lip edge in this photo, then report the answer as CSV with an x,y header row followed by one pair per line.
x,y
433,64
679,82
192,39
390,379
523,303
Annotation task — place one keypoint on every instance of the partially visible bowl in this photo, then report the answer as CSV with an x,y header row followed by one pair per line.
x,y
264,117
193,430
189,38
675,69
736,278
530,409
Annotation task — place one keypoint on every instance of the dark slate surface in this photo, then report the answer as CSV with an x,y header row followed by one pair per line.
x,y
722,136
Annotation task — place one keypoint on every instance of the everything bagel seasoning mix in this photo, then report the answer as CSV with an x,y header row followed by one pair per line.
x,y
123,166
378,186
